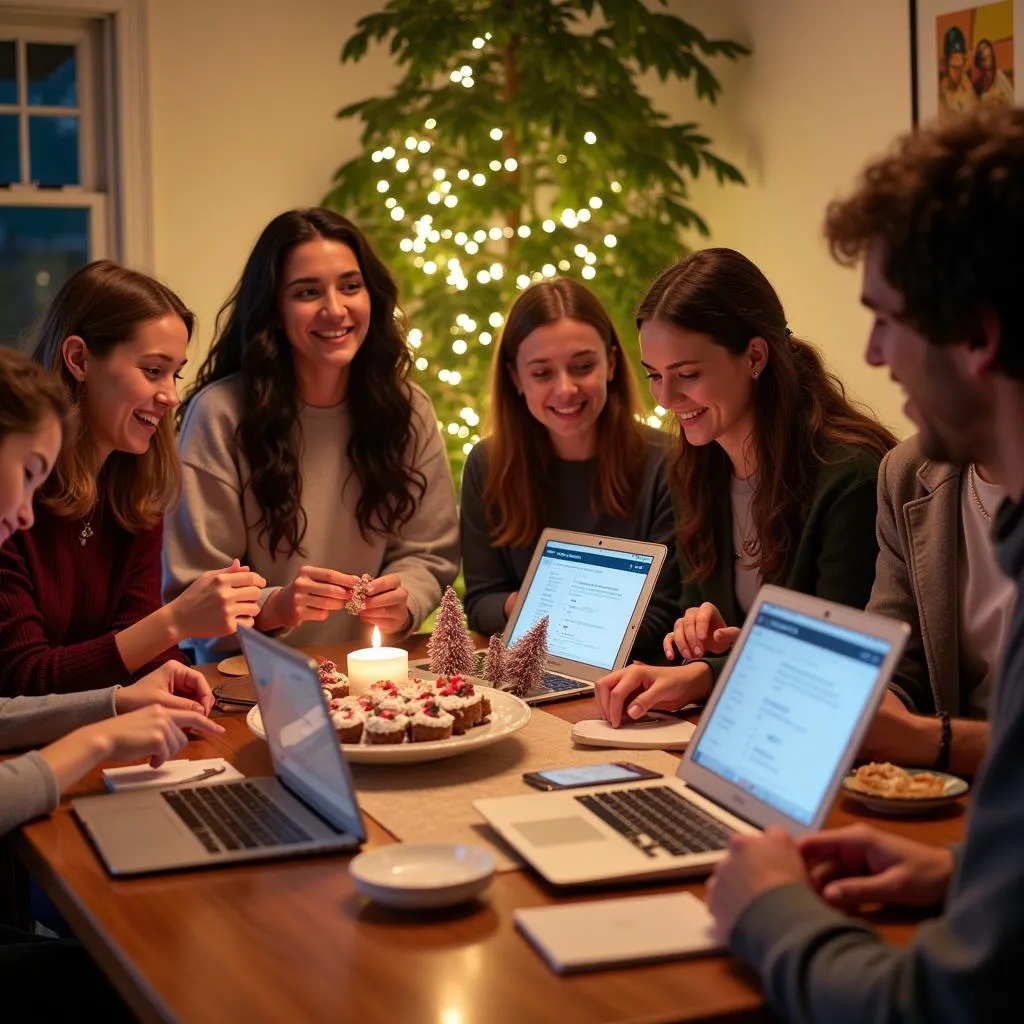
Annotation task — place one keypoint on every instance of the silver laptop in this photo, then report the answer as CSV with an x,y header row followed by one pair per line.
x,y
780,731
594,591
309,806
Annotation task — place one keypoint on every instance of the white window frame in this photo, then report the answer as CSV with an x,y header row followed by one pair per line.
x,y
121,204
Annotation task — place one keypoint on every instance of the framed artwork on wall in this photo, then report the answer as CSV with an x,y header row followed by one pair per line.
x,y
963,55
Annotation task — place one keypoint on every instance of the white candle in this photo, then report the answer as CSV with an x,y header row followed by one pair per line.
x,y
370,664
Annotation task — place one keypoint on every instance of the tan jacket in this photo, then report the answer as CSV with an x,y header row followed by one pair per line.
x,y
916,576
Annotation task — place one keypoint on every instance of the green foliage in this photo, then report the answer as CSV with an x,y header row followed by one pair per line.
x,y
518,145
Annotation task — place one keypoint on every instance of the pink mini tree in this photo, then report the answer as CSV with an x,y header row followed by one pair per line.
x,y
524,663
494,663
450,646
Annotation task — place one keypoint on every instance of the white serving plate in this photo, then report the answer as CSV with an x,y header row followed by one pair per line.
x,y
422,876
508,715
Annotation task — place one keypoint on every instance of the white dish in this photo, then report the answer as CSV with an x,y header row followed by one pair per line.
x,y
422,876
654,731
508,715
900,807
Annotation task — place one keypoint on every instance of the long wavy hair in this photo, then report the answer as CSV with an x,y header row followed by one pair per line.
x,y
251,341
801,412
104,304
519,448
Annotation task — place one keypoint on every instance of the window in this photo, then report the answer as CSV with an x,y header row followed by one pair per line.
x,y
73,149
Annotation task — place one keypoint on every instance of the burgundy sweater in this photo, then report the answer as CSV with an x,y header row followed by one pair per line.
x,y
61,602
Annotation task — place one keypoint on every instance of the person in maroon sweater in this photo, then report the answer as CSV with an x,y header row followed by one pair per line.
x,y
80,592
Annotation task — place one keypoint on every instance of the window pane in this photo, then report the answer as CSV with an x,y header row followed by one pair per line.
x,y
10,167
8,71
52,75
40,247
53,150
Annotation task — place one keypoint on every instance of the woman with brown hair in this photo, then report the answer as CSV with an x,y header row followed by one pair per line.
x,y
561,392
775,476
307,450
80,591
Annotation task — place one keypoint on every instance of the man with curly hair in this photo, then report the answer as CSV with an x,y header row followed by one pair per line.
x,y
938,225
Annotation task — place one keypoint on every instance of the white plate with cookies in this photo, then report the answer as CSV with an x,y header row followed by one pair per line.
x,y
508,714
902,792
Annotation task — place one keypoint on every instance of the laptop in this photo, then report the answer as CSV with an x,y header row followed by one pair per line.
x,y
779,733
309,806
594,591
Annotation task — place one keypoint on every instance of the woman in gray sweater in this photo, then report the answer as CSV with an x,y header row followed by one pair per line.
x,y
146,719
565,450
308,453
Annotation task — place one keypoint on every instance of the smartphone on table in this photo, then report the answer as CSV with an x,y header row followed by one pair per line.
x,y
589,775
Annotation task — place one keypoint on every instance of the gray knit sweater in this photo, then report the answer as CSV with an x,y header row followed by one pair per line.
x,y
213,523
27,786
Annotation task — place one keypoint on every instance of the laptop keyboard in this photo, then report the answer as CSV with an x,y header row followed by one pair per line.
x,y
233,816
658,818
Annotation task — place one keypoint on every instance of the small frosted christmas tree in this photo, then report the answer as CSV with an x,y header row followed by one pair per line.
x,y
450,646
494,663
524,663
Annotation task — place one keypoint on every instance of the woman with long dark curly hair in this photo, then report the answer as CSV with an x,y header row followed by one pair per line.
x,y
306,451
775,476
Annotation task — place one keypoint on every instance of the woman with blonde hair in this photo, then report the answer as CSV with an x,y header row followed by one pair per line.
x,y
565,449
80,592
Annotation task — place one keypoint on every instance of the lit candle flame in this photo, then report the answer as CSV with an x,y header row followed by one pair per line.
x,y
376,636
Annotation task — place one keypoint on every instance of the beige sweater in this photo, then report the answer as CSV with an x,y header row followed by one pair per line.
x,y
212,524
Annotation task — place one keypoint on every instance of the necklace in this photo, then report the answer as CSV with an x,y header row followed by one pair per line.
x,y
974,494
86,530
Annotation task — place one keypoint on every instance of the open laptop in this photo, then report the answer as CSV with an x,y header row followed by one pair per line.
x,y
779,733
309,806
594,591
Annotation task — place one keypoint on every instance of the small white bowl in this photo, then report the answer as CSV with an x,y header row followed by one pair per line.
x,y
422,875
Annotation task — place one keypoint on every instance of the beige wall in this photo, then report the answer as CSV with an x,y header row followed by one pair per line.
x,y
243,93
828,87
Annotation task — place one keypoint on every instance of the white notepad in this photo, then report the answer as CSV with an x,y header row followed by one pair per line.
x,y
171,773
619,932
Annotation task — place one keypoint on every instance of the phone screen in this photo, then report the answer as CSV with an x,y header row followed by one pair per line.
x,y
589,775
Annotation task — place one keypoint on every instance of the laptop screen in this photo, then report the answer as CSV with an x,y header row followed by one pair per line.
x,y
303,745
793,697
589,594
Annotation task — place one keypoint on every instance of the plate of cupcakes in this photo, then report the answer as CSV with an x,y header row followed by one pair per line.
x,y
425,718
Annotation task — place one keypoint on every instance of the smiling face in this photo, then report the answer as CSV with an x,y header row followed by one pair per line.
x,y
945,402
127,392
25,463
710,390
562,371
325,312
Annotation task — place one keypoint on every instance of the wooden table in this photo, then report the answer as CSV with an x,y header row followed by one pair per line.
x,y
293,941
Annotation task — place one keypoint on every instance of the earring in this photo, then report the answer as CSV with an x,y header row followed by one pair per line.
x,y
755,374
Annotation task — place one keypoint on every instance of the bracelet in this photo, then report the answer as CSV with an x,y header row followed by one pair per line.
x,y
945,743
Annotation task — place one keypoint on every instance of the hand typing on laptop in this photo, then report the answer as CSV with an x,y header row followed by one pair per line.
x,y
633,691
849,867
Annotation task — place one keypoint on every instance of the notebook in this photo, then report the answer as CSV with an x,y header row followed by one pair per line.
x,y
594,591
779,733
308,806
590,936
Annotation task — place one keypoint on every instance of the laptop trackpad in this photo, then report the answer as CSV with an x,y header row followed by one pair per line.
x,y
558,831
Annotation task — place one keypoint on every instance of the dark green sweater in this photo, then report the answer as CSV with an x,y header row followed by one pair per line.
x,y
834,557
